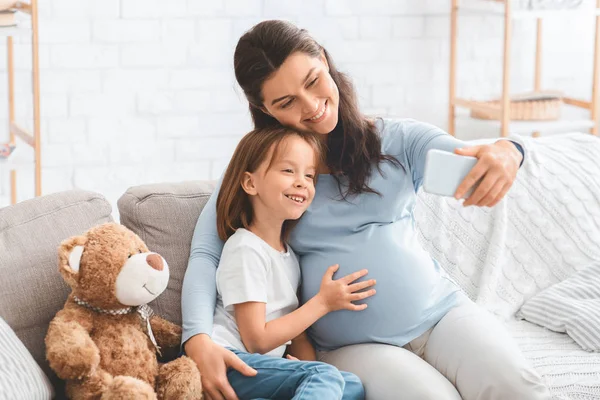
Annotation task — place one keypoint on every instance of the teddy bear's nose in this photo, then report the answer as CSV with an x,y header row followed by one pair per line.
x,y
155,261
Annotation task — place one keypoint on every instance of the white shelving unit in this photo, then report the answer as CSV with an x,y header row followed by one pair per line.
x,y
506,10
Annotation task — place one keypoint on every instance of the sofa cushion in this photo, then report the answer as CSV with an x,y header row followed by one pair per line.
x,y
164,216
20,376
571,306
570,372
30,232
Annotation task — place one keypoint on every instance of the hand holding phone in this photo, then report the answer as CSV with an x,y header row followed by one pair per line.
x,y
445,171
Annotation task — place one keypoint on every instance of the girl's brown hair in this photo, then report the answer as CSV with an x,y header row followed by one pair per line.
x,y
354,146
234,209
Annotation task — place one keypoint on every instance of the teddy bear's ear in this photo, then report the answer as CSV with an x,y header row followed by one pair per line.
x,y
75,258
69,258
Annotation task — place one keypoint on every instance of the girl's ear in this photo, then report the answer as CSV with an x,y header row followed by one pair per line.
x,y
248,184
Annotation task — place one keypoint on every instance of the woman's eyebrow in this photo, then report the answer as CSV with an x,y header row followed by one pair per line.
x,y
277,100
308,75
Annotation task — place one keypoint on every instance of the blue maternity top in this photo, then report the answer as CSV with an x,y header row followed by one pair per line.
x,y
370,231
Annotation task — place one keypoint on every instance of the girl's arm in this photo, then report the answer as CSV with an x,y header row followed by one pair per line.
x,y
260,336
302,348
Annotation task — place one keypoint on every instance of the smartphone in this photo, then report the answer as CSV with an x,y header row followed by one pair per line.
x,y
445,171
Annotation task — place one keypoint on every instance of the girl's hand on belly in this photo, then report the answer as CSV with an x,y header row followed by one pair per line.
x,y
340,293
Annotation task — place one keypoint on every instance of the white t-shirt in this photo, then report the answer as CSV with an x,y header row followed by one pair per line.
x,y
251,270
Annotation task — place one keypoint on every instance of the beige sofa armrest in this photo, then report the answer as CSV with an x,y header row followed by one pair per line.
x,y
32,288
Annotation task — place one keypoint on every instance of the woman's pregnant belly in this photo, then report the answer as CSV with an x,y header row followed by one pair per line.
x,y
412,294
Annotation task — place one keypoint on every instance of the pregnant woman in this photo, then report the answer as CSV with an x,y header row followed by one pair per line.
x,y
420,337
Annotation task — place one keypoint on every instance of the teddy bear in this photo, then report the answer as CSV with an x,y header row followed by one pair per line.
x,y
104,341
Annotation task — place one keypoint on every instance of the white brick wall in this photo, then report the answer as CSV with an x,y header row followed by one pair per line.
x,y
139,91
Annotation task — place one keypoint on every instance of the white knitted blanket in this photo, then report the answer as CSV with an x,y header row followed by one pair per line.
x,y
545,229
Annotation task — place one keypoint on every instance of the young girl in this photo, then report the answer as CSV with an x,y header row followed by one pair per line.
x,y
269,184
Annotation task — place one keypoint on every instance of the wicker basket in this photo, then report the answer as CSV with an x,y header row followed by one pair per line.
x,y
537,107
7,4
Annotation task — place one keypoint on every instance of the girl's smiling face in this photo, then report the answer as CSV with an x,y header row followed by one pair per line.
x,y
283,186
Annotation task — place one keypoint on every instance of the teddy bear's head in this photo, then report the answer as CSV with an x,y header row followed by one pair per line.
x,y
110,267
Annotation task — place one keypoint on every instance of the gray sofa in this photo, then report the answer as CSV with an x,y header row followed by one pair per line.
x,y
164,216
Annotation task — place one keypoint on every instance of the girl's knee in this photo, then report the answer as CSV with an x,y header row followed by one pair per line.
x,y
350,378
317,367
353,387
327,372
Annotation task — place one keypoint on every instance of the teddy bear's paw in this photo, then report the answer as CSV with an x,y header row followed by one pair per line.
x,y
179,380
77,366
128,387
73,355
89,388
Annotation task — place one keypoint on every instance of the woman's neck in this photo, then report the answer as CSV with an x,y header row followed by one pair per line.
x,y
323,168
268,230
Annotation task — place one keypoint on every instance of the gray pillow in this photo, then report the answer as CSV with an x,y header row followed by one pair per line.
x,y
164,215
20,376
571,306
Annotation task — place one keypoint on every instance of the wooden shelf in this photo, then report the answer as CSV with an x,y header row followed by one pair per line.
x,y
25,27
486,106
572,120
496,8
508,11
22,134
476,105
25,7
527,127
13,31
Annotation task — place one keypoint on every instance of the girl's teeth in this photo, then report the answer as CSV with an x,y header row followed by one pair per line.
x,y
296,199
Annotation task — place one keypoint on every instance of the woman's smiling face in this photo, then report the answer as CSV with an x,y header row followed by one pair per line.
x,y
302,95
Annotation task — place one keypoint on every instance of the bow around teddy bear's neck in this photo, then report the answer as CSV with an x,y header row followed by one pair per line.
x,y
144,311
119,311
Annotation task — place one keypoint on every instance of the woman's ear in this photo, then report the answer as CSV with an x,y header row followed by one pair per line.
x,y
261,108
248,184
324,59
264,109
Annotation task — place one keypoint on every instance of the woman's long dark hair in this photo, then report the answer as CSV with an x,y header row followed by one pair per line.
x,y
354,146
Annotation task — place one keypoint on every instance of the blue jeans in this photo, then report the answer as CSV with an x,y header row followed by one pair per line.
x,y
280,378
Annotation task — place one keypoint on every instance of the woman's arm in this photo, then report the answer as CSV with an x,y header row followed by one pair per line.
x,y
498,162
302,349
199,292
198,304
